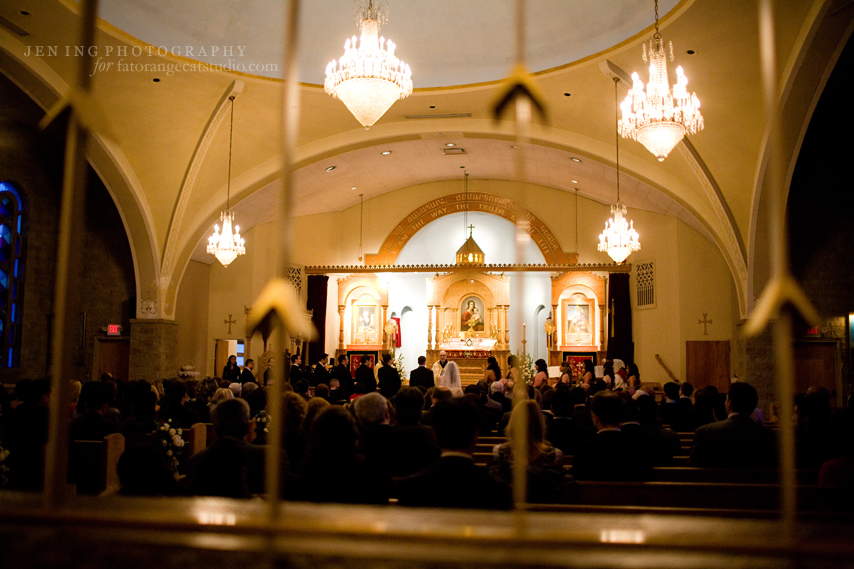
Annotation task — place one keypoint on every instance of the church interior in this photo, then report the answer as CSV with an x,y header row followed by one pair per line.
x,y
450,224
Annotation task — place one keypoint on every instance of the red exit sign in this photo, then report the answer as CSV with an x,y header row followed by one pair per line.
x,y
114,330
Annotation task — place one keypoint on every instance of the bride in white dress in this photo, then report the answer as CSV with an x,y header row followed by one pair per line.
x,y
450,377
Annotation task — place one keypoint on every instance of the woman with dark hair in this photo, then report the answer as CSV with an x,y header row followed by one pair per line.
x,y
512,373
589,374
542,373
608,374
565,373
492,373
231,371
633,380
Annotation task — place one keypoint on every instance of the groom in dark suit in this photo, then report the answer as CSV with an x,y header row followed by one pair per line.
x,y
421,376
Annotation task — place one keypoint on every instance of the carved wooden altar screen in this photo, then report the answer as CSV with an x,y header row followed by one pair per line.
x,y
578,306
362,311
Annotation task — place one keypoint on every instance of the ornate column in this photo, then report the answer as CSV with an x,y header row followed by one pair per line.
x,y
506,328
499,325
440,325
558,328
340,326
429,327
601,327
385,318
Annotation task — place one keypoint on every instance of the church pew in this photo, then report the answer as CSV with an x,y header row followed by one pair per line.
x,y
195,439
711,496
93,464
729,476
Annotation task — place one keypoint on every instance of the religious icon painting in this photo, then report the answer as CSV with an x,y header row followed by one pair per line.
x,y
578,323
365,324
472,315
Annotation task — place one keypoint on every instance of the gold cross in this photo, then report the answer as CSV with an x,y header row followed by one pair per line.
x,y
230,321
471,227
705,323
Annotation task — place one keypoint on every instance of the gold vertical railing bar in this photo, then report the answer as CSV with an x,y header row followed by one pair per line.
x,y
778,247
68,262
290,120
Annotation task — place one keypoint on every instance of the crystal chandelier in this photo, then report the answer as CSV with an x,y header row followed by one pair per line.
x,y
369,78
659,118
619,239
227,246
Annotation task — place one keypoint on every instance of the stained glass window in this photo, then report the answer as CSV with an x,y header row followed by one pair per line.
x,y
11,273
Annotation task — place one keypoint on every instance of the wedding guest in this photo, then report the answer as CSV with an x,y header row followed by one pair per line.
x,y
231,371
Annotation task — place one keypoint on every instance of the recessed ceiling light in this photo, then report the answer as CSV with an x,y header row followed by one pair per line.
x,y
432,106
690,52
450,144
567,94
24,13
329,169
353,188
386,152
156,79
575,181
514,147
574,159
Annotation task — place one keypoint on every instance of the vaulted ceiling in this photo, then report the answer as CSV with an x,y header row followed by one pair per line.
x,y
166,164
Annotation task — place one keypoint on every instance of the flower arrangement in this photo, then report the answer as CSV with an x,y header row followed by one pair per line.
x,y
173,444
4,470
526,367
398,365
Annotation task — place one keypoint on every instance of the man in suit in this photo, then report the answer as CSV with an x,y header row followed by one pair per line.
x,y
421,376
610,455
580,412
683,421
172,406
389,378
640,423
738,442
246,376
365,376
295,373
269,374
563,432
455,481
320,374
210,470
341,372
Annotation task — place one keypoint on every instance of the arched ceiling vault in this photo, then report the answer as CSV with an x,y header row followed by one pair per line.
x,y
710,183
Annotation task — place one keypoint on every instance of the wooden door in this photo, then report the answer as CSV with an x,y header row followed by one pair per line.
x,y
707,363
114,358
815,365
220,356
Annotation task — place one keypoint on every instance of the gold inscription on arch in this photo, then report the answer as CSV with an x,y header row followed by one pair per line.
x,y
542,236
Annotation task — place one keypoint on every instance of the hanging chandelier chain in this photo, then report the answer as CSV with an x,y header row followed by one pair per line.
x,y
361,220
230,143
466,212
657,33
617,133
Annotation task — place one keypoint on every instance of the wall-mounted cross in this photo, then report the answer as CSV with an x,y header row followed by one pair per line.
x,y
230,321
705,323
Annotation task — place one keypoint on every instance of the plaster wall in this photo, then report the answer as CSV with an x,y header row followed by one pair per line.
x,y
191,315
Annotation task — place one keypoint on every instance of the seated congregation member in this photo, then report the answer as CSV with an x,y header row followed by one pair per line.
x,y
669,408
257,402
365,376
659,445
488,417
230,466
294,437
375,440
684,417
548,483
610,455
172,406
333,470
564,432
580,411
703,411
434,396
496,393
421,376
336,394
142,471
414,445
26,436
388,379
490,402
322,391
455,481
303,389
737,442
315,406
92,425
